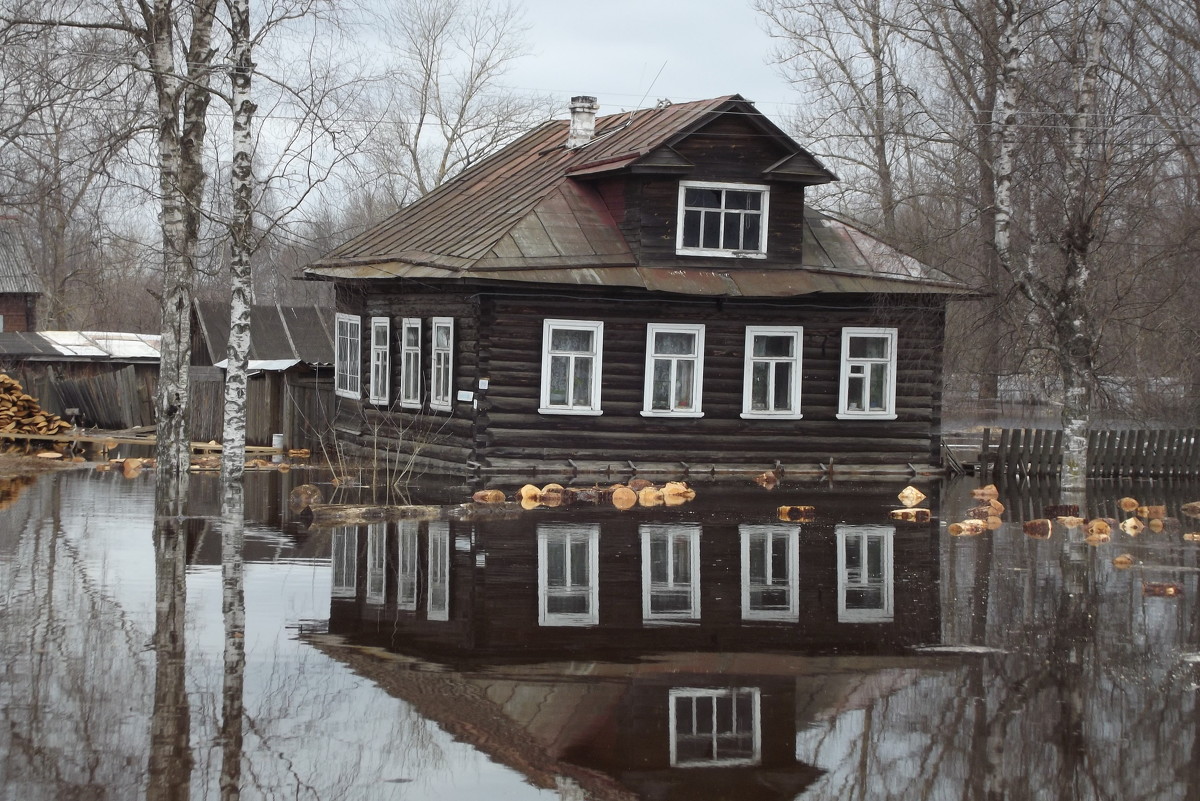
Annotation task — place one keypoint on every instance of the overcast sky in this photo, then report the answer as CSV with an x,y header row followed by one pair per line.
x,y
614,49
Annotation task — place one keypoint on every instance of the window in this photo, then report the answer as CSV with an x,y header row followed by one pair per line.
x,y
442,364
572,355
438,599
718,727
770,572
381,364
376,562
865,582
568,575
406,568
868,384
343,561
722,219
771,387
670,572
410,362
674,370
348,357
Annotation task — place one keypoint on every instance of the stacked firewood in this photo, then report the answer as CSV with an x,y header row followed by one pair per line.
x,y
21,414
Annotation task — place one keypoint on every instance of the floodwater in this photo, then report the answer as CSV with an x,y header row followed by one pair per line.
x,y
708,650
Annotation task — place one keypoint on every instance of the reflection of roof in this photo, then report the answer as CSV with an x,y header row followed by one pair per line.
x,y
16,276
80,346
530,214
280,336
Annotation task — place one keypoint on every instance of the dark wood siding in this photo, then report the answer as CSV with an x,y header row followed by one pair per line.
x,y
498,337
17,311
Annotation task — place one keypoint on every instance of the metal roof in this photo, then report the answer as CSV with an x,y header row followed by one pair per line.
x,y
523,216
277,333
16,274
80,346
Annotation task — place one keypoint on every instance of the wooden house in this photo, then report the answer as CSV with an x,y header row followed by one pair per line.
x,y
643,291
20,287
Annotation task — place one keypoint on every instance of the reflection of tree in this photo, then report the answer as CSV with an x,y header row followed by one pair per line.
x,y
233,611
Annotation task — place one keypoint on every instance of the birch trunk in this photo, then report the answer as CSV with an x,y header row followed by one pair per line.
x,y
233,609
241,246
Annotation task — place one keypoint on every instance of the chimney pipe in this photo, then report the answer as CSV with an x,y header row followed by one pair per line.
x,y
583,121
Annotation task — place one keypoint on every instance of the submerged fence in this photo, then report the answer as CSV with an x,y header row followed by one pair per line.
x,y
1148,453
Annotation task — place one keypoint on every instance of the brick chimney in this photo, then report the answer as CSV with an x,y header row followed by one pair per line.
x,y
583,121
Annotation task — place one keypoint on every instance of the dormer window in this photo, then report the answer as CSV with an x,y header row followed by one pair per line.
x,y
717,219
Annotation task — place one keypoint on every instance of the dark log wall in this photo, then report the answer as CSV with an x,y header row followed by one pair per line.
x,y
647,207
498,336
514,433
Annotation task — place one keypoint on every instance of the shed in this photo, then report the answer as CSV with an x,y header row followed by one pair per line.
x,y
644,291
20,287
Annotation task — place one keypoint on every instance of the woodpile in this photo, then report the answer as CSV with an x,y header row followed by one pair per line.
x,y
638,492
21,414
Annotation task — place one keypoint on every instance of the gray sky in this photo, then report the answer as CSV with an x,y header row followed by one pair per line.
x,y
613,49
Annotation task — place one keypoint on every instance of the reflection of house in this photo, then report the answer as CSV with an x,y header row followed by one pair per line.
x,y
663,654
290,386
19,287
648,287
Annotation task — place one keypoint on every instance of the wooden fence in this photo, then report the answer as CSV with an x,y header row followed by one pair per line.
x,y
1135,453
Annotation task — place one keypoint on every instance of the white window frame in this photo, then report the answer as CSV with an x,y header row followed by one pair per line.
x,y
408,565
376,563
569,533
862,367
796,361
437,598
789,581
858,538
596,328
697,372
441,366
347,354
343,562
672,584
381,360
410,363
758,253
701,724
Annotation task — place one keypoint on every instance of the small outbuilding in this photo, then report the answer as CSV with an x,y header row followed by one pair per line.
x,y
644,291
20,287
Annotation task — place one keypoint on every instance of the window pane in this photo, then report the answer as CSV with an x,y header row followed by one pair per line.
x,y
685,372
579,563
874,558
854,393
682,553
658,559
775,346
662,385
571,339
583,381
879,374
733,231
702,198
559,366
760,386
691,229
674,343
868,347
783,386
412,336
735,199
442,336
556,563
751,232
712,230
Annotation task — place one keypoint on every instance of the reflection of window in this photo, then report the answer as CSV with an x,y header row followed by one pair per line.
x,y
438,605
670,572
442,364
715,727
868,379
771,387
674,370
865,582
376,562
347,367
568,575
344,561
572,359
770,572
410,362
406,567
381,360
722,219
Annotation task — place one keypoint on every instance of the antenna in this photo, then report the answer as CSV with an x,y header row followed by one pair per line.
x,y
651,86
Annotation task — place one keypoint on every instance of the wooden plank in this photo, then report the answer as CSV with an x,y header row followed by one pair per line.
x,y
1141,455
1093,440
1056,455
1002,449
983,450
1040,466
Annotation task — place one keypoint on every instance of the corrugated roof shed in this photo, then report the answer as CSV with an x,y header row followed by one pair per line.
x,y
277,333
80,346
521,216
16,275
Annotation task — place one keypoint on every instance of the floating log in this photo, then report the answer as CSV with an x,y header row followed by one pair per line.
x,y
1161,589
967,528
1061,510
1132,526
910,496
910,515
1038,529
1151,512
1123,562
489,496
1128,504
796,514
